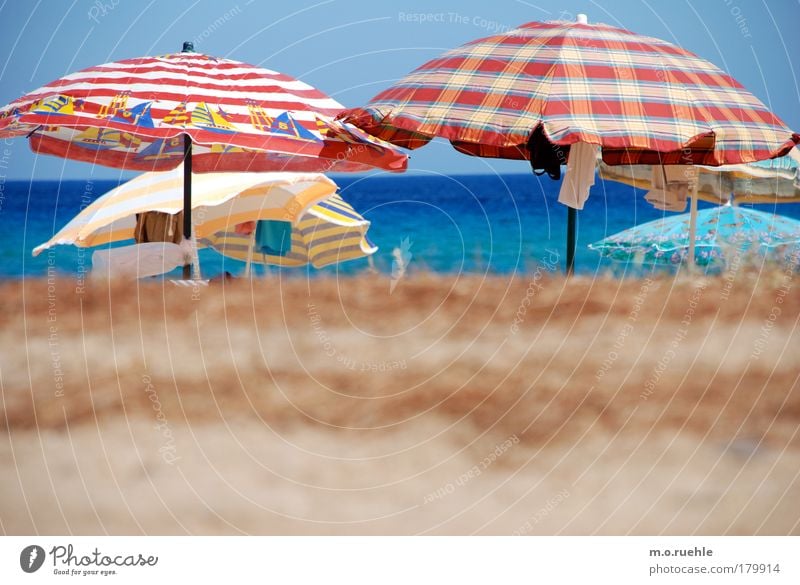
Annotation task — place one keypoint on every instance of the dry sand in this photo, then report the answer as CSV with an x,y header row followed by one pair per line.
x,y
452,406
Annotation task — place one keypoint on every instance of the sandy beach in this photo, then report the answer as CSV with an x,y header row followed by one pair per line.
x,y
451,405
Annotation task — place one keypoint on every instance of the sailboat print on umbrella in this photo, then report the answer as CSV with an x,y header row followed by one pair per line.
x,y
178,116
105,138
201,116
59,105
288,126
205,117
159,149
117,111
139,115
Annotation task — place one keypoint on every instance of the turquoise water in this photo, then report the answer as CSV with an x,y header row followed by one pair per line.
x,y
472,223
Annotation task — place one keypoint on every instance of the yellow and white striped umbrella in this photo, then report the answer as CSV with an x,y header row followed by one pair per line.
x,y
770,181
330,232
219,200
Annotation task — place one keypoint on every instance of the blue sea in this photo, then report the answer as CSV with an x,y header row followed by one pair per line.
x,y
496,224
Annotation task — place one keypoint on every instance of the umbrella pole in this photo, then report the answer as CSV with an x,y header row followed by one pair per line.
x,y
692,224
187,200
572,217
247,267
195,259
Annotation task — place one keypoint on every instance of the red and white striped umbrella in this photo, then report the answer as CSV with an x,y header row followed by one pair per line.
x,y
212,114
134,113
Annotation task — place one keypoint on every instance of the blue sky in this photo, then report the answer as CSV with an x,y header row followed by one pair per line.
x,y
352,49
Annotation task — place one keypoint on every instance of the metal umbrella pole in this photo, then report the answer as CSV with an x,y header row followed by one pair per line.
x,y
572,220
693,220
187,197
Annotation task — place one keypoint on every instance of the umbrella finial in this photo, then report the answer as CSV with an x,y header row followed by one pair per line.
x,y
188,47
582,19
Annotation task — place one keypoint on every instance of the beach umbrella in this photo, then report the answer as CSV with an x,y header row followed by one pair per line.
x,y
211,114
220,200
774,180
328,233
768,181
721,231
549,90
323,228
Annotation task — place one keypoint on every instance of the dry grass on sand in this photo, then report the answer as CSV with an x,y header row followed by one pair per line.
x,y
453,405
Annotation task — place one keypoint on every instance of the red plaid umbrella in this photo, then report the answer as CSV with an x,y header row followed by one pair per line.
x,y
152,113
642,100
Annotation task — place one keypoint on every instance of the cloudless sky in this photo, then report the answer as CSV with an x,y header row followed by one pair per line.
x,y
351,49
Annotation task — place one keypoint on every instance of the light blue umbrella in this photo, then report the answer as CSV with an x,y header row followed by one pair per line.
x,y
771,181
720,232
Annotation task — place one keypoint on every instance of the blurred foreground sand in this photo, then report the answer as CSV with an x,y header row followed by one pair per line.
x,y
451,406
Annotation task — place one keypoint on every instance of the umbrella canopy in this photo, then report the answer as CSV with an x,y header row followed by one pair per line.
x,y
769,181
152,113
719,231
643,100
220,200
540,90
134,113
330,232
